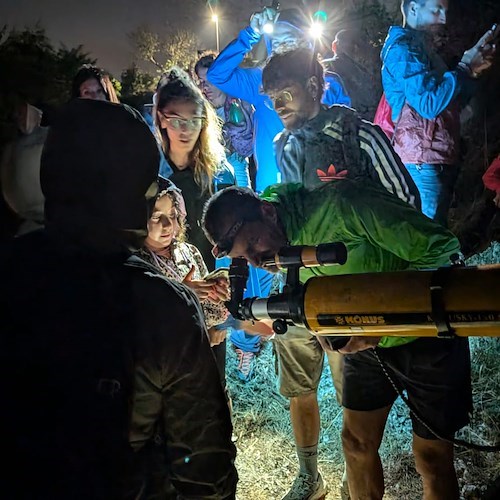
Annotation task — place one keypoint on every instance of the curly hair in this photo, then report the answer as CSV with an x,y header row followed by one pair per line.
x,y
293,66
208,152
232,204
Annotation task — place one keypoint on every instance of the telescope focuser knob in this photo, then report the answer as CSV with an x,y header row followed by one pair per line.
x,y
279,326
457,260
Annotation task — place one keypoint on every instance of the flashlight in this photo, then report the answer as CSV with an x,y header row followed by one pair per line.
x,y
268,27
317,28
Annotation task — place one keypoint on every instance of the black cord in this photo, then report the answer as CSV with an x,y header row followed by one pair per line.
x,y
414,412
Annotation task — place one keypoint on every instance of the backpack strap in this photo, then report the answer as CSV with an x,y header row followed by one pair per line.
x,y
279,146
350,138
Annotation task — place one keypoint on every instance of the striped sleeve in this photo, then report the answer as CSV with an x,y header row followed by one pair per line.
x,y
387,164
290,157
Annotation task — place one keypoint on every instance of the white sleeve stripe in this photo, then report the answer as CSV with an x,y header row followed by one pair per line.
x,y
385,163
382,159
334,133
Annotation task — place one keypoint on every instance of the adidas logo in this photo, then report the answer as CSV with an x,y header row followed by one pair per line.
x,y
331,174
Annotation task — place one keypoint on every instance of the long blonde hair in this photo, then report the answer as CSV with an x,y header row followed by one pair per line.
x,y
208,152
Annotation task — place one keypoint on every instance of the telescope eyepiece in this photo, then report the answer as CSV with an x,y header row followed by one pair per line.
x,y
325,254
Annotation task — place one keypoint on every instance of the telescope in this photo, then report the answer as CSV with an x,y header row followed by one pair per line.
x,y
446,302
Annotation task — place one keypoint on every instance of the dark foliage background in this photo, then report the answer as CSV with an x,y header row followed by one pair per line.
x,y
35,70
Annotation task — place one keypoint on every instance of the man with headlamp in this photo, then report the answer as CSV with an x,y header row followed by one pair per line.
x,y
290,27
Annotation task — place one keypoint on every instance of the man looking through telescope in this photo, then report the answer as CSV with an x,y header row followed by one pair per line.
x,y
381,233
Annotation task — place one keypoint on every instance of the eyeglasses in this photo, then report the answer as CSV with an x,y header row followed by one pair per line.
x,y
280,100
225,244
174,123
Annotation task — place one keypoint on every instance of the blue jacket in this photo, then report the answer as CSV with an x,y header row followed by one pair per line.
x,y
412,71
246,83
427,128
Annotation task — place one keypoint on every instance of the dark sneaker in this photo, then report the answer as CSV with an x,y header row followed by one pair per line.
x,y
306,488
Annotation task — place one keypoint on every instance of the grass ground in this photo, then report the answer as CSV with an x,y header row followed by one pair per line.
x,y
266,456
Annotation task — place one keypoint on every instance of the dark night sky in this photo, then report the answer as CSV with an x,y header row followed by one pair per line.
x,y
102,25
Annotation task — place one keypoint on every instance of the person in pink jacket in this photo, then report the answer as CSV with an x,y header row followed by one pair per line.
x,y
491,179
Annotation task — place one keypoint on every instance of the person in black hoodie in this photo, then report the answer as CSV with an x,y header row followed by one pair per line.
x,y
109,387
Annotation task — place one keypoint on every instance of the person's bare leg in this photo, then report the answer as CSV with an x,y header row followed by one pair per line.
x,y
362,433
434,463
336,362
304,414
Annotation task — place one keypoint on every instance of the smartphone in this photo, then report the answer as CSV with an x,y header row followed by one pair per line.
x,y
221,272
496,31
487,47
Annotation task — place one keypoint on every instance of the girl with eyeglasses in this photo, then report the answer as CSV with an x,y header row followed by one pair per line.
x,y
190,136
191,139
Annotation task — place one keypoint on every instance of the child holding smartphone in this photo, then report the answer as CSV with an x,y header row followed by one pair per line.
x,y
165,248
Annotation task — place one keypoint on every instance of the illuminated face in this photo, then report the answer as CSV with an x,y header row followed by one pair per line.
x,y
163,224
431,15
92,89
285,35
215,97
183,121
259,241
294,104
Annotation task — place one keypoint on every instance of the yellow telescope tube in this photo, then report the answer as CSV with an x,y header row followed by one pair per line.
x,y
405,303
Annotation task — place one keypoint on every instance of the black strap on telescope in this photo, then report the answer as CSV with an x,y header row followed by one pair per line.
x,y
438,309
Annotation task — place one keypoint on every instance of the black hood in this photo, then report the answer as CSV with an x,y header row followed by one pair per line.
x,y
98,162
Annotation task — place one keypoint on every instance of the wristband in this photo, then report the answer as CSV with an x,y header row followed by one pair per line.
x,y
467,69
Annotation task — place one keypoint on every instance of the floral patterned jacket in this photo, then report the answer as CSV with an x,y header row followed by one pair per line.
x,y
176,267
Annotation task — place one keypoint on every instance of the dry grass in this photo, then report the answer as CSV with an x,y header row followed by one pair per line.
x,y
266,455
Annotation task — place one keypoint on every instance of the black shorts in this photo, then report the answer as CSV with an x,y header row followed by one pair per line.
x,y
435,373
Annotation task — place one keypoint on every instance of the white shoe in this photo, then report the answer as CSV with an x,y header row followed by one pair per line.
x,y
306,488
